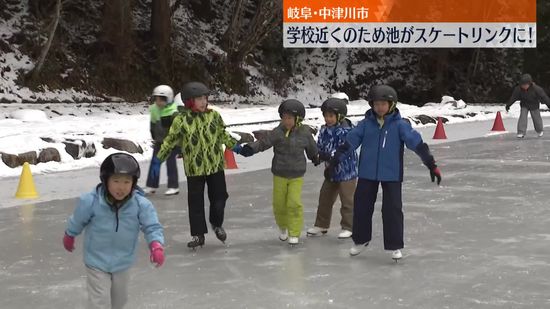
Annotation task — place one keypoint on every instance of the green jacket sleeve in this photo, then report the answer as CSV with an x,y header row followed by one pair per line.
x,y
225,137
174,137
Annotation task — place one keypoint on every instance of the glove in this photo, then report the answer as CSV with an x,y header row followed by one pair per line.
x,y
316,161
157,254
324,156
68,242
328,173
154,172
507,108
247,151
435,173
237,149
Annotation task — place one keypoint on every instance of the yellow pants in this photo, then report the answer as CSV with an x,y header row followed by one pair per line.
x,y
287,204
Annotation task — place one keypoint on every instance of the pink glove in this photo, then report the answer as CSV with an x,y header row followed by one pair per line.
x,y
68,242
157,253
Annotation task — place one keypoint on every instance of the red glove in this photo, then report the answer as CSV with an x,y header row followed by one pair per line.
x,y
157,253
68,242
435,173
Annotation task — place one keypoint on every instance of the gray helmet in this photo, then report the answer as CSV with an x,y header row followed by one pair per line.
x,y
337,106
194,90
293,107
382,93
525,79
119,163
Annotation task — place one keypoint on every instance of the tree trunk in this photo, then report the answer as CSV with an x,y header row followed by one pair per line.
x,y
44,53
268,16
161,28
231,35
117,42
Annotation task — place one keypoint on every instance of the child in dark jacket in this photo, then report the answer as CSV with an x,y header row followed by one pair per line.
x,y
289,141
343,180
162,111
382,135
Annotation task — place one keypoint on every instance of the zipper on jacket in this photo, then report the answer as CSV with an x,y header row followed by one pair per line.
x,y
116,214
384,143
378,153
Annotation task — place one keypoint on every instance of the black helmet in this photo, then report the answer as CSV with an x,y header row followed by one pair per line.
x,y
293,107
525,79
119,163
194,90
382,93
337,106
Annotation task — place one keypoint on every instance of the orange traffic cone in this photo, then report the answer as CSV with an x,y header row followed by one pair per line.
x,y
498,125
229,159
26,188
439,130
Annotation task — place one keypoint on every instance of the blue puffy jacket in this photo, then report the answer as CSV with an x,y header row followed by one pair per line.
x,y
106,248
328,141
381,157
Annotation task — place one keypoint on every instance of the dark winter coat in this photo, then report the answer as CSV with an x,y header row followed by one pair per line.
x,y
530,98
382,148
288,148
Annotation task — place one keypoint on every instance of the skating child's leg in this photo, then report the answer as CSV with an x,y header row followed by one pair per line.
x,y
363,208
346,192
295,208
119,289
327,197
99,289
280,191
217,194
392,215
172,169
195,198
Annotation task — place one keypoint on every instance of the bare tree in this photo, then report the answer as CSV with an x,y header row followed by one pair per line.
x,y
45,50
161,28
117,41
238,40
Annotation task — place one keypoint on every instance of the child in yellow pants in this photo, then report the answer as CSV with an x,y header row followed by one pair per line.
x,y
289,141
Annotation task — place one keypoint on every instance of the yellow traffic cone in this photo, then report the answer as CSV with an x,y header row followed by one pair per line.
x,y
26,187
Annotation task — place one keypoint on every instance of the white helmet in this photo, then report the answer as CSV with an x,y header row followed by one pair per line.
x,y
164,91
177,100
341,96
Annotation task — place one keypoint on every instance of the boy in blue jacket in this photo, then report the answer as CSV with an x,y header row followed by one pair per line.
x,y
382,135
343,181
112,216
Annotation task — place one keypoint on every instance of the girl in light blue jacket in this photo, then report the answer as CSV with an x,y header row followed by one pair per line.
x,y
112,216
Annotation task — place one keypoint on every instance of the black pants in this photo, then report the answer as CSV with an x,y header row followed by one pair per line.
x,y
392,212
217,194
171,169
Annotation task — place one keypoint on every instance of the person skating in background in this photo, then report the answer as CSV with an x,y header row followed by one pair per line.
x,y
530,96
289,141
112,216
341,96
382,136
163,110
340,180
200,133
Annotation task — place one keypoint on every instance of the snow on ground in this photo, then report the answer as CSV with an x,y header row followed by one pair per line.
x,y
22,126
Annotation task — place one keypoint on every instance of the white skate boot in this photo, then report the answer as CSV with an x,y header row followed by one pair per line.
x,y
357,248
283,236
396,255
344,234
316,231
172,191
